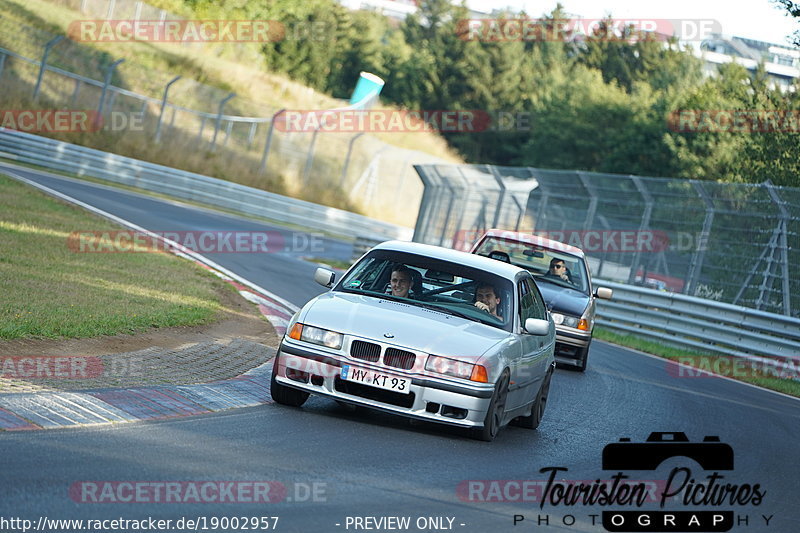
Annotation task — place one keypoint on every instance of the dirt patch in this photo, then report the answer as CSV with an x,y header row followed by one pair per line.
x,y
240,339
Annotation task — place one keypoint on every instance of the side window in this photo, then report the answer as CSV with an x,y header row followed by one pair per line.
x,y
538,308
526,308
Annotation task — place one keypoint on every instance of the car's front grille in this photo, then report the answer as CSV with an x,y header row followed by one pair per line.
x,y
367,351
399,358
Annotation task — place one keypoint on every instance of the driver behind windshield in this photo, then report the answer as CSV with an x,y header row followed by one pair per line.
x,y
486,299
558,270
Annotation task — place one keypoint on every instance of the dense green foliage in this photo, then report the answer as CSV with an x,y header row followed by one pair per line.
x,y
598,103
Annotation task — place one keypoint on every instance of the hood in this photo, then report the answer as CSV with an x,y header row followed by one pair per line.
x,y
563,299
412,327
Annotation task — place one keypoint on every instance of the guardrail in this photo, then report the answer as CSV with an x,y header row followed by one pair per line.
x,y
180,184
697,324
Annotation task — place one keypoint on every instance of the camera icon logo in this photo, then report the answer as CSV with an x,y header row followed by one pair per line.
x,y
710,454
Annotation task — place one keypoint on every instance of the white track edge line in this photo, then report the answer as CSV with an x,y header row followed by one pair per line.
x,y
194,255
664,359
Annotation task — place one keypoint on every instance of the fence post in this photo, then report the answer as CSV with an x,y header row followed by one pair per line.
x,y
227,133
109,73
781,249
310,156
696,265
425,205
251,135
543,200
2,63
645,223
499,207
50,44
463,200
202,127
521,211
347,159
77,90
163,105
218,122
267,146
588,222
111,101
452,197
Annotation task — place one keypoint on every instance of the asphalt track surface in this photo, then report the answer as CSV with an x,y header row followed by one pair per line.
x,y
367,464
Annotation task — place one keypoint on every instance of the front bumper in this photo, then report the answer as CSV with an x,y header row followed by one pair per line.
x,y
570,342
429,398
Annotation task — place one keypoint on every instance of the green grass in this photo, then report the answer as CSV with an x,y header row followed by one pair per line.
x,y
50,291
160,196
704,361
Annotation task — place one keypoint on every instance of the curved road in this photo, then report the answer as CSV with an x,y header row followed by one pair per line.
x,y
346,470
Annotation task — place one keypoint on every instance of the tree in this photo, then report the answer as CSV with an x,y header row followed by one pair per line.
x,y
793,9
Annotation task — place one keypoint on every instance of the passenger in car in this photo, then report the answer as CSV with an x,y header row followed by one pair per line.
x,y
486,298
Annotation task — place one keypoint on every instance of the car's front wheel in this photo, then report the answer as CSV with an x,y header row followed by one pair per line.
x,y
285,395
495,413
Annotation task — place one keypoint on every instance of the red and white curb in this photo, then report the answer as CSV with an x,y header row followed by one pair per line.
x,y
27,411
48,410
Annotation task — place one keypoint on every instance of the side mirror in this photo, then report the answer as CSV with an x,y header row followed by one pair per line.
x,y
603,292
324,277
537,326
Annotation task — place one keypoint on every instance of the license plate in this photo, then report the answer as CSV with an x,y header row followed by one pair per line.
x,y
376,379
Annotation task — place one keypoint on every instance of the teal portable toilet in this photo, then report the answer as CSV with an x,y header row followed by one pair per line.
x,y
369,85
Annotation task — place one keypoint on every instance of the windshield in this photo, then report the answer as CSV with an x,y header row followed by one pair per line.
x,y
446,287
567,270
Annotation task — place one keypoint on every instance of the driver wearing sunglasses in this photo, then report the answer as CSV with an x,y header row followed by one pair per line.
x,y
558,269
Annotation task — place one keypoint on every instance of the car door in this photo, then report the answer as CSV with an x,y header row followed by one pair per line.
x,y
531,366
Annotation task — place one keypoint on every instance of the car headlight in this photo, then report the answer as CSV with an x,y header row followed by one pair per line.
x,y
314,335
569,321
456,368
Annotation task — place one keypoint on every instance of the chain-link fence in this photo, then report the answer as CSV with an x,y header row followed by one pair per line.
x,y
735,243
54,71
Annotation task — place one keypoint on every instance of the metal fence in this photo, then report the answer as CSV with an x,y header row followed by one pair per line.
x,y
61,156
53,71
734,243
697,324
460,199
